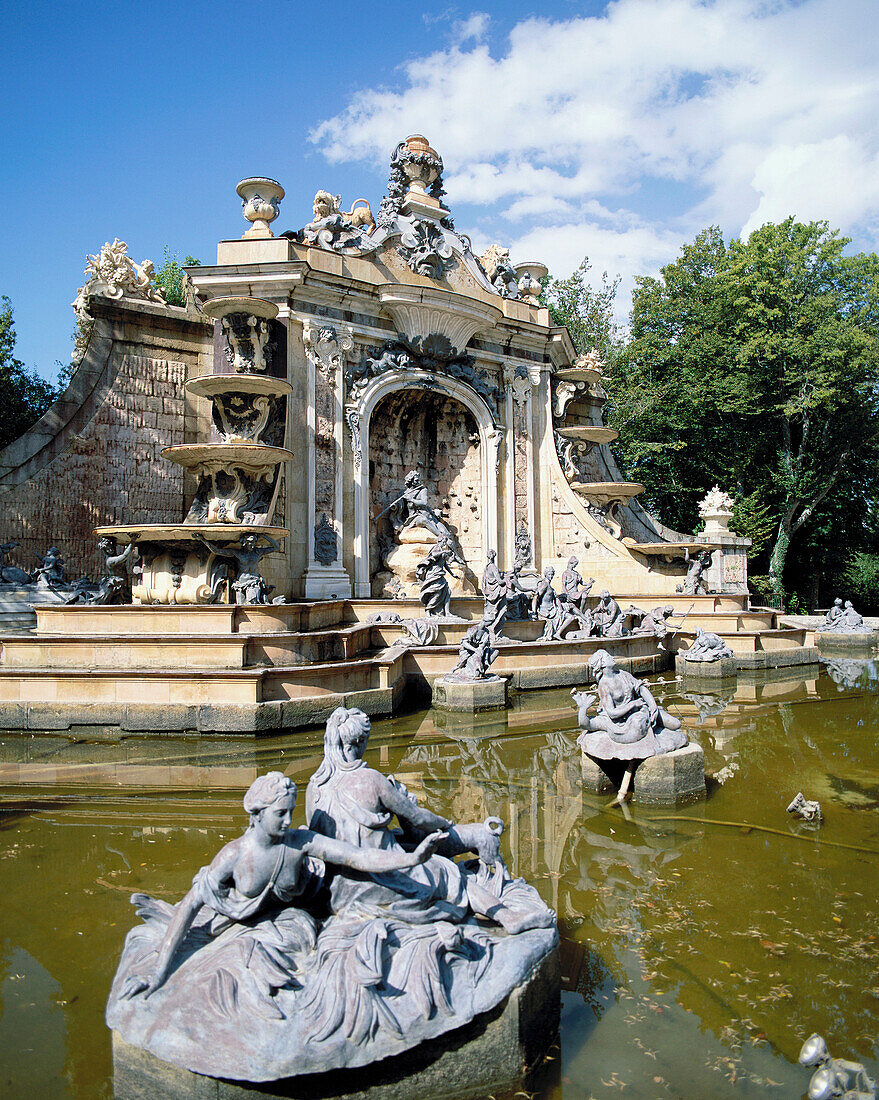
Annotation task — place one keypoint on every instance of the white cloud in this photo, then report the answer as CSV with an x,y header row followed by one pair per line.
x,y
562,143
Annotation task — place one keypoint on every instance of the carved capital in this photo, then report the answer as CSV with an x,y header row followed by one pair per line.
x,y
326,348
520,378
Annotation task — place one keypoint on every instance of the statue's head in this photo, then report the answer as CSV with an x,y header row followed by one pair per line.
x,y
572,562
491,555
549,572
667,611
347,734
412,478
601,661
848,604
605,595
837,603
248,542
270,801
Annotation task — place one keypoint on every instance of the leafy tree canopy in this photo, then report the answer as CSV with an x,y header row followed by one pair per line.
x,y
24,396
169,277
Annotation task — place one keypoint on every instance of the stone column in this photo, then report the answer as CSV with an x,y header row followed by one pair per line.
x,y
520,412
326,349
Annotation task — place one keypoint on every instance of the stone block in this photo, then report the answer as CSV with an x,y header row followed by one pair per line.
x,y
672,778
723,669
160,717
865,640
470,695
13,716
492,1054
239,717
595,778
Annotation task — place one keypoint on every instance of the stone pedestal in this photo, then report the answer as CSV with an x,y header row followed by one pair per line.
x,y
470,695
864,640
667,780
490,1055
723,669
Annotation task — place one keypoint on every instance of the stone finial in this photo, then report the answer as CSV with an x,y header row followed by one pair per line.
x,y
716,508
260,203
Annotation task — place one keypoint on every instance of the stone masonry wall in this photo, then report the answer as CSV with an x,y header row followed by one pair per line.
x,y
108,469
416,429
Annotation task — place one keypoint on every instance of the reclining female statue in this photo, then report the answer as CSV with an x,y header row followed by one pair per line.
x,y
265,868
348,800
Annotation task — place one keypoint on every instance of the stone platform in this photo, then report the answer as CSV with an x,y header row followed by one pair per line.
x,y
671,779
861,641
470,695
494,1053
723,669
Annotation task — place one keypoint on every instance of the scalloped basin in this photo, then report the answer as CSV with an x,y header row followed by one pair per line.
x,y
588,433
579,374
193,455
608,490
212,384
665,549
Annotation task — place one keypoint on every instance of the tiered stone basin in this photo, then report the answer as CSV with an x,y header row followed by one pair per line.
x,y
608,490
589,433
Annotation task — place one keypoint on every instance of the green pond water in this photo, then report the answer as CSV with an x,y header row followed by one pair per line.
x,y
700,945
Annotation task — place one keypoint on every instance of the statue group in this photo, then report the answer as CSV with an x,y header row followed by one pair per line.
x,y
304,950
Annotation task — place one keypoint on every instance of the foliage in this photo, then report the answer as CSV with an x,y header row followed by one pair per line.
x,y
588,313
24,396
755,366
860,578
169,277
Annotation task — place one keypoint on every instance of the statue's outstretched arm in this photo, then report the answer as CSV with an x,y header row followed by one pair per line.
x,y
407,809
368,859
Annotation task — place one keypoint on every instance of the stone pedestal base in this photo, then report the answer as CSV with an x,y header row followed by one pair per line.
x,y
326,582
866,640
490,1055
667,780
470,694
723,669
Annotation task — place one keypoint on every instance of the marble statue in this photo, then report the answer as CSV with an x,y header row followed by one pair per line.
x,y
300,951
411,509
573,585
834,1076
707,646
842,619
476,654
337,229
556,612
11,574
249,586
519,594
629,724
419,632
608,617
698,563
808,809
494,593
436,595
653,622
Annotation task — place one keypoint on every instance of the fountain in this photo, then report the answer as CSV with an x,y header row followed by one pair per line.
x,y
196,561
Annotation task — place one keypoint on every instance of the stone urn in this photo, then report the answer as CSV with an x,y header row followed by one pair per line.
x,y
528,276
716,509
420,162
261,204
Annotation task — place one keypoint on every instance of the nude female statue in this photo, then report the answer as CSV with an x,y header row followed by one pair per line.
x,y
265,867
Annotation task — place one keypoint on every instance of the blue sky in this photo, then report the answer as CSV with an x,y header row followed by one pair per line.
x,y
614,130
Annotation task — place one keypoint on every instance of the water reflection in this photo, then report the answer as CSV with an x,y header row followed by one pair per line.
x,y
699,945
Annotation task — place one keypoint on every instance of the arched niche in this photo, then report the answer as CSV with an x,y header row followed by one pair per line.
x,y
421,393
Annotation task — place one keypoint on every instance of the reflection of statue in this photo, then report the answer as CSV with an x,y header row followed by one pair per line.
x,y
707,647
248,586
50,573
11,574
693,585
436,596
476,654
629,725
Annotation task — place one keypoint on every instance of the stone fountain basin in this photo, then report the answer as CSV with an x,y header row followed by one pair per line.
x,y
189,532
608,490
588,433
239,383
578,374
251,455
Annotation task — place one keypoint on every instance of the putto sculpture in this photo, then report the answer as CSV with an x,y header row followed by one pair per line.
x,y
248,585
300,951
629,724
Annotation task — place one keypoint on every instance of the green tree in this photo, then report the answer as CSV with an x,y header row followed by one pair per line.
x,y
755,365
588,312
24,396
169,277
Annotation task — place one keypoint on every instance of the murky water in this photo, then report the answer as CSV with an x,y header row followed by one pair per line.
x,y
700,946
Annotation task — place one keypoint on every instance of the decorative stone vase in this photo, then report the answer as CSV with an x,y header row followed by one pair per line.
x,y
421,163
260,202
528,276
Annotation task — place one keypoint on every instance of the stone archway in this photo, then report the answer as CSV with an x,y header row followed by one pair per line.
x,y
437,435
442,427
